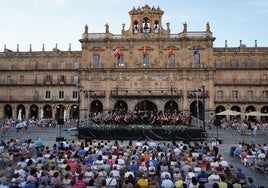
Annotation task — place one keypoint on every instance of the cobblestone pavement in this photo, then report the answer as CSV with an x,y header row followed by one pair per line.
x,y
229,137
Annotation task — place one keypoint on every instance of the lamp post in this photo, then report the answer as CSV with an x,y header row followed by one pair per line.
x,y
197,105
204,106
203,94
79,89
88,92
197,108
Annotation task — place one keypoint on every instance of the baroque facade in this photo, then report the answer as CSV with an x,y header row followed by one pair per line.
x,y
144,68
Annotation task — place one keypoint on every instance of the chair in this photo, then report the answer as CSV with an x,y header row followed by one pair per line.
x,y
203,180
242,181
112,186
81,185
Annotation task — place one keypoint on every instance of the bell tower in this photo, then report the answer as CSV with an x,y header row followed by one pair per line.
x,y
146,22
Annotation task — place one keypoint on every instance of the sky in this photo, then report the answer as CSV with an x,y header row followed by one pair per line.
x,y
62,22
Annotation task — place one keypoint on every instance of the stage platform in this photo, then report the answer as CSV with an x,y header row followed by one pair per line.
x,y
141,133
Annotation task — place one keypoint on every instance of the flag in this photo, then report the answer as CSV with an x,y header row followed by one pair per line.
x,y
144,48
196,50
170,51
117,52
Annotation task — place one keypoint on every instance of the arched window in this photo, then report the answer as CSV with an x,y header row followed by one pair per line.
x,y
121,60
96,60
156,27
234,63
264,63
171,60
136,27
249,63
219,63
145,59
146,25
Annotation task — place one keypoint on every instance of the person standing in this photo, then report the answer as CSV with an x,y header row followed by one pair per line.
x,y
215,146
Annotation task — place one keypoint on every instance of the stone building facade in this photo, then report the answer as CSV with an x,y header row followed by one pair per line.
x,y
144,68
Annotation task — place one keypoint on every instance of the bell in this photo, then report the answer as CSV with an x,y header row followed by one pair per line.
x,y
146,26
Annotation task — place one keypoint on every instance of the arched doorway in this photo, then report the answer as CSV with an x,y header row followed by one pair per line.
x,y
220,109
47,112
34,111
196,109
146,105
8,111
171,107
20,112
74,113
264,110
96,107
251,109
121,106
237,109
60,114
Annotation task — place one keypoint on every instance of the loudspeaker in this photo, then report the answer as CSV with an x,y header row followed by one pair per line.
x,y
217,123
61,121
88,139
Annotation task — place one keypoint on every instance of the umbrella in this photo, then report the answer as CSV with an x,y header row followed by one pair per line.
x,y
228,113
255,113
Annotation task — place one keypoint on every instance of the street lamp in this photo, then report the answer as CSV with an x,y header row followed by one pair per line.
x,y
79,89
88,92
203,94
203,89
197,105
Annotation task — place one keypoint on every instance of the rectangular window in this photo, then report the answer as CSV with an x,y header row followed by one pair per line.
x,y
96,60
171,60
21,78
75,94
197,60
234,94
48,78
145,60
47,94
220,95
265,94
61,94
250,95
75,79
62,78
62,65
8,79
49,65
120,60
76,65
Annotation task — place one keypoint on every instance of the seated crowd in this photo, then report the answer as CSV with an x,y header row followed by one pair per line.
x,y
253,155
119,164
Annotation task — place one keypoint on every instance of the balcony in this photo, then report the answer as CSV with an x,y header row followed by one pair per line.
x,y
147,93
8,98
200,94
240,82
33,82
240,99
97,94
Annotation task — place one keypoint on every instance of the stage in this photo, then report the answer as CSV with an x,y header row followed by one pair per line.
x,y
102,132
